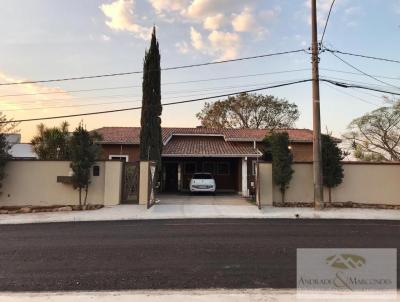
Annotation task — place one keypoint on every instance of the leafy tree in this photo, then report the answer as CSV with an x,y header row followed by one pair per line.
x,y
51,143
84,153
332,169
282,159
375,136
6,126
249,111
150,134
4,156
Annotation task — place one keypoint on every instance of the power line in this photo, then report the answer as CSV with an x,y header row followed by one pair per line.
x,y
349,94
358,74
362,56
168,83
357,82
172,94
363,72
72,106
163,69
327,21
165,104
339,84
347,85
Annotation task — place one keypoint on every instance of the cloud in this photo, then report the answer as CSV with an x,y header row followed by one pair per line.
x,y
224,45
121,17
105,38
169,5
217,28
254,22
244,22
203,8
196,39
353,10
323,7
40,94
213,22
182,47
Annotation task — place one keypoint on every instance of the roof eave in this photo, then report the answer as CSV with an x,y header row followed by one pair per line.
x,y
213,155
117,143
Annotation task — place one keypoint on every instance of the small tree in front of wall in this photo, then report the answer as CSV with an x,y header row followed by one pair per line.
x,y
332,169
84,153
4,156
282,159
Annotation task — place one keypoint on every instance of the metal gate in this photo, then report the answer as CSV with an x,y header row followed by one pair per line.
x,y
130,183
152,184
258,199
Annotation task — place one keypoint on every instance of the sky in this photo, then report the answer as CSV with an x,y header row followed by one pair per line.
x,y
50,39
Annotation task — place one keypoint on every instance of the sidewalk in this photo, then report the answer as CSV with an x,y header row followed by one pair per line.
x,y
220,295
181,211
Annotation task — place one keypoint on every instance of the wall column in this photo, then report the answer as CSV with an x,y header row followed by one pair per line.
x,y
112,182
144,182
245,191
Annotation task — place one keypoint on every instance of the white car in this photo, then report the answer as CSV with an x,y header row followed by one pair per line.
x,y
202,182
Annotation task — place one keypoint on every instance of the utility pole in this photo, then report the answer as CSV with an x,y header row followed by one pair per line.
x,y
317,151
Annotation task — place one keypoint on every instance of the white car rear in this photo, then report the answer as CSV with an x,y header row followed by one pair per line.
x,y
202,182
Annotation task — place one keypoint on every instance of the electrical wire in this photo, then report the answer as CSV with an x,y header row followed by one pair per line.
x,y
363,72
168,83
358,74
165,104
362,56
348,85
327,21
174,96
349,94
171,94
163,69
369,84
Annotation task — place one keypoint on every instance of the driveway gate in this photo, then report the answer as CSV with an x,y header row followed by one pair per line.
x,y
130,183
152,184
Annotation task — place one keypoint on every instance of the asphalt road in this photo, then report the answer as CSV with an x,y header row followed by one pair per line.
x,y
173,254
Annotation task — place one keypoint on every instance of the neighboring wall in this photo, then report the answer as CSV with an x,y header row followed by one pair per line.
x,y
33,182
363,183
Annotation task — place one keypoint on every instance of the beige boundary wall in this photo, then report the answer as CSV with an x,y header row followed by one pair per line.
x,y
366,183
34,182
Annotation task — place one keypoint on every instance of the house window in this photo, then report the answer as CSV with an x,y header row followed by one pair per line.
x,y
190,168
253,167
208,167
96,171
124,158
223,168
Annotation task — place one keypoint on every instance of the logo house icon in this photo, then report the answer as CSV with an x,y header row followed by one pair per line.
x,y
345,261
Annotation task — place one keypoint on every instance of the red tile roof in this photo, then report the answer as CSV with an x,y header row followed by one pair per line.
x,y
131,135
207,145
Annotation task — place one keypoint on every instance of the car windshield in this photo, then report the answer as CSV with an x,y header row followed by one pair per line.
x,y
202,176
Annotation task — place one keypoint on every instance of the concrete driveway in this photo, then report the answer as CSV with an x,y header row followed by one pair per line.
x,y
203,199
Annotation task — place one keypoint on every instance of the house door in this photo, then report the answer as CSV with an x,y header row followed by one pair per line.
x,y
171,177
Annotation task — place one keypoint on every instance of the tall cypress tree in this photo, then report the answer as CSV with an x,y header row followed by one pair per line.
x,y
150,134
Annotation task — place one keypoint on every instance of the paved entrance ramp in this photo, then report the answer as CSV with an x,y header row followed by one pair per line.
x,y
202,199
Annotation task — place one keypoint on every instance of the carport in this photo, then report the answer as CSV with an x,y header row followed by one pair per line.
x,y
230,162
